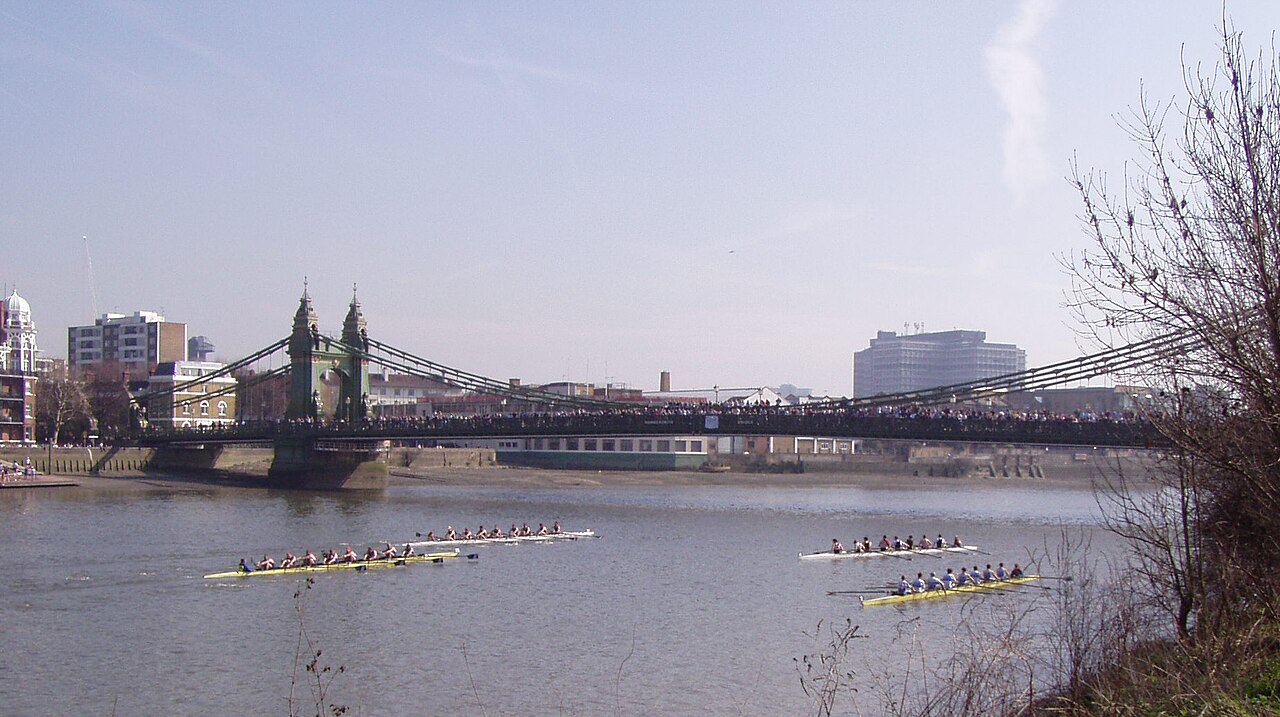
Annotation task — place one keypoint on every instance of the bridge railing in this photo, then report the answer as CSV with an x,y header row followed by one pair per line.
x,y
991,429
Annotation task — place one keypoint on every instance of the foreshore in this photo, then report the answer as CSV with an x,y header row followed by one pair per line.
x,y
501,477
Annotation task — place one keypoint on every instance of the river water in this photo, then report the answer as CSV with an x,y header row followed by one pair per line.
x,y
691,602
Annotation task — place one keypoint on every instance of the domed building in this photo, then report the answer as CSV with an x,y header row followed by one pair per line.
x,y
17,336
18,364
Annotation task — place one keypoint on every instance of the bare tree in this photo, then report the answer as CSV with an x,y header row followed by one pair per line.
x,y
1189,247
60,400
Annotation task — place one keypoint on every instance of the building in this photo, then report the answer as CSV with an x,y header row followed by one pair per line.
x,y
913,362
137,343
19,362
170,403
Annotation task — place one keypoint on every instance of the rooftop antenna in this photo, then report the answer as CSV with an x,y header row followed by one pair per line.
x,y
93,284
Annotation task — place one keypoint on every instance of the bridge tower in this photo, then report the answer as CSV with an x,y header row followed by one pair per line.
x,y
329,380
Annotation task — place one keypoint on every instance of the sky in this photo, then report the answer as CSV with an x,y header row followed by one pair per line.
x,y
742,194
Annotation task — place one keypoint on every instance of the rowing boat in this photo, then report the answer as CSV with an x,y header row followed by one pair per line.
x,y
508,540
962,590
885,553
356,565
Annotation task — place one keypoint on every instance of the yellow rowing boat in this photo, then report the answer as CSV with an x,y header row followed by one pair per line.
x,y
953,592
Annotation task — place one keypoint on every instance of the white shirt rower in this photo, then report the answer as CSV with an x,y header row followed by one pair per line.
x,y
904,587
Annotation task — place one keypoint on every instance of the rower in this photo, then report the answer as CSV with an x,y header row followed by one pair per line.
x,y
866,544
467,534
244,568
555,528
389,552
918,585
309,559
904,587
371,554
955,542
885,544
1001,573
288,561
964,578
266,563
330,557
925,543
450,534
859,547
482,533
497,532
948,580
988,575
897,543
408,550
350,556
525,530
514,530
976,576
542,529
1016,572
911,542
941,543
431,537
934,583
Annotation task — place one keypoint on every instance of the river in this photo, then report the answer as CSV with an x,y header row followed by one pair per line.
x,y
692,600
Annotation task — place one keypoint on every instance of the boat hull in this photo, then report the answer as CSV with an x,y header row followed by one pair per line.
x,y
335,567
953,592
906,554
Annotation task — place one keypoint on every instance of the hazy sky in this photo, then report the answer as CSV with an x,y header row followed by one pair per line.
x,y
739,193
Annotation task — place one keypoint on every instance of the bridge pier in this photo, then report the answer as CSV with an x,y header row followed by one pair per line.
x,y
319,464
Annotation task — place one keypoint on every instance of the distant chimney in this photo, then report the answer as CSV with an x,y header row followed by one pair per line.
x,y
513,382
664,382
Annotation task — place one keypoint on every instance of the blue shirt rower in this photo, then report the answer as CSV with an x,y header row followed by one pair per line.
x,y
904,587
964,578
934,583
988,575
949,580
918,585
976,576
1001,573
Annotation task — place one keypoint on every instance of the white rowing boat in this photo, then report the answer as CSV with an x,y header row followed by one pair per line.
x,y
905,554
509,540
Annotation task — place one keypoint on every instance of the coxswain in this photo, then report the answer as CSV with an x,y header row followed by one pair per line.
x,y
371,553
918,585
948,580
450,534
244,568
309,558
1001,573
836,547
542,529
389,552
266,563
885,544
350,556
976,576
904,587
988,575
555,528
1016,572
408,550
925,543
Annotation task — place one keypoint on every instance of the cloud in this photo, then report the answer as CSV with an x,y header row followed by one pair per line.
x,y
1016,74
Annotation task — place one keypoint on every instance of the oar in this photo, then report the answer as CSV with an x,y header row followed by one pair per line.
x,y
1067,578
857,592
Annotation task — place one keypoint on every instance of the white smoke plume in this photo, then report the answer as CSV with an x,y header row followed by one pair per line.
x,y
1014,69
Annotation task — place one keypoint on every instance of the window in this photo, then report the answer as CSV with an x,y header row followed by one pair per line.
x,y
664,446
646,445
589,444
222,409
695,446
682,446
626,444
204,408
606,445
571,444
553,444
186,409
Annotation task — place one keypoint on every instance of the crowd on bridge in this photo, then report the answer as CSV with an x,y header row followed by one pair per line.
x,y
945,422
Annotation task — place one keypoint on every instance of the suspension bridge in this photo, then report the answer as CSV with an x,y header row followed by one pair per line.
x,y
329,436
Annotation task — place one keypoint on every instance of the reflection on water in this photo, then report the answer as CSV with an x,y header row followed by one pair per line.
x,y
692,601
